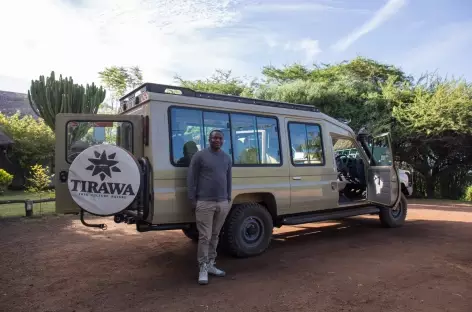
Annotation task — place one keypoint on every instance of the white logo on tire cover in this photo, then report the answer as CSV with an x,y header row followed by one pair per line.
x,y
104,179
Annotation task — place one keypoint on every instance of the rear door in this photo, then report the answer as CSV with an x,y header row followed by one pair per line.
x,y
383,182
76,132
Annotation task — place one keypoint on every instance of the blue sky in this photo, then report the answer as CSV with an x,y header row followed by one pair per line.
x,y
192,38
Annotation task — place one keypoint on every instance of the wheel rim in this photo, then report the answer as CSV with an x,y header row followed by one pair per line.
x,y
396,212
252,230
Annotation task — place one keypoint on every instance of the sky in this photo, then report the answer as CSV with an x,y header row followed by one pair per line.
x,y
192,38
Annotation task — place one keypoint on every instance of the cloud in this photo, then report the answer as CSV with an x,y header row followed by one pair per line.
x,y
310,48
381,16
190,38
299,6
163,37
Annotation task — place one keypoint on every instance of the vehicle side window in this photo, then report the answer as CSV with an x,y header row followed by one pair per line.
x,y
249,139
217,121
381,151
186,134
269,145
306,144
245,139
190,129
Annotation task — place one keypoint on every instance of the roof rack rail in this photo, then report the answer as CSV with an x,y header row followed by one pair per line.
x,y
344,120
167,89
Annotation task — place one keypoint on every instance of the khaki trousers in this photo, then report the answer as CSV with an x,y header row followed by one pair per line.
x,y
210,217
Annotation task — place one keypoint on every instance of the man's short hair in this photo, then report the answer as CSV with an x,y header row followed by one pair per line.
x,y
216,130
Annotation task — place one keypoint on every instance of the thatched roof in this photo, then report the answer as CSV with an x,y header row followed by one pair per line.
x,y
11,102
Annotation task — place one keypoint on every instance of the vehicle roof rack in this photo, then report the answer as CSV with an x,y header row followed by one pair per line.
x,y
344,120
182,91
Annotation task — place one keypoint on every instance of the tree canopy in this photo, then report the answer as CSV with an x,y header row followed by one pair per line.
x,y
430,119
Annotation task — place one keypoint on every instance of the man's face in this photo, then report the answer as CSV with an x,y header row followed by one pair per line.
x,y
216,140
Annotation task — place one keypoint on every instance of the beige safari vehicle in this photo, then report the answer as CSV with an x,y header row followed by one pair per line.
x,y
286,166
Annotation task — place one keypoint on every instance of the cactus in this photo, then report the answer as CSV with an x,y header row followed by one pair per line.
x,y
50,97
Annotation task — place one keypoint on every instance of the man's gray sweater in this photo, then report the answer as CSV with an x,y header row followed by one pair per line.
x,y
209,176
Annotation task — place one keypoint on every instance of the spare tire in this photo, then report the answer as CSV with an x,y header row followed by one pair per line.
x,y
104,179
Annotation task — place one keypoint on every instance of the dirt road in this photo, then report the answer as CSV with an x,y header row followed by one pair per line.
x,y
58,265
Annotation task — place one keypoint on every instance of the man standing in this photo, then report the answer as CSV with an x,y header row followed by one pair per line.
x,y
209,190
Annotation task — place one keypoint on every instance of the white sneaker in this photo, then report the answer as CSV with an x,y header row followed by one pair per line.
x,y
214,270
203,274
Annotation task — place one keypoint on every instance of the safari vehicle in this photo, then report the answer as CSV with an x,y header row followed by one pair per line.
x,y
133,166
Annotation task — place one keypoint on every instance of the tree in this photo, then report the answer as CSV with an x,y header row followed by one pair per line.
x,y
33,139
50,97
430,119
434,118
120,80
220,82
358,69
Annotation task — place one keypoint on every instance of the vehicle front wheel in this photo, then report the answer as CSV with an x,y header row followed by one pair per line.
x,y
394,217
248,230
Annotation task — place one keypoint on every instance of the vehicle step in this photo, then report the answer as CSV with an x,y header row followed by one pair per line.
x,y
320,216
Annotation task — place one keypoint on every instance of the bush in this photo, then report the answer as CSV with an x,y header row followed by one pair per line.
x,y
468,193
5,180
33,139
39,180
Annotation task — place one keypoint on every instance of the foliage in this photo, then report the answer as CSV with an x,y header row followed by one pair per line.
x,y
33,139
49,96
430,119
434,118
437,107
220,82
468,194
120,80
39,180
358,69
351,100
5,180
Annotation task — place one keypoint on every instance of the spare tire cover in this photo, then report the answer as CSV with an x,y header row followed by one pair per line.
x,y
104,179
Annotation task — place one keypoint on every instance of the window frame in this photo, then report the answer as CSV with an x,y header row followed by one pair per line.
x,y
228,112
323,163
66,128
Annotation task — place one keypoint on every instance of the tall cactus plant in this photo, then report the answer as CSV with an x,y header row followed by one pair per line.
x,y
50,97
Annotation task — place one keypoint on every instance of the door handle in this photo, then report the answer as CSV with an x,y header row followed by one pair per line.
x,y
297,178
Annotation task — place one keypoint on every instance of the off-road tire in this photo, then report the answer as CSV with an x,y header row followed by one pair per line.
x,y
235,240
391,217
191,233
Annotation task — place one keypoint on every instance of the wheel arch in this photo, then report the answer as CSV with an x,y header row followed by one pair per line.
x,y
266,199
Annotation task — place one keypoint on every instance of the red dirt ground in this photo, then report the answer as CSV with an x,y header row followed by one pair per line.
x,y
56,264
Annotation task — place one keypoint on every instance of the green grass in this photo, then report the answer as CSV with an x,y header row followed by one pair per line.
x,y
18,210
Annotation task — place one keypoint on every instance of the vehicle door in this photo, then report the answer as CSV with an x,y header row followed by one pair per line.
x,y
310,173
77,132
383,182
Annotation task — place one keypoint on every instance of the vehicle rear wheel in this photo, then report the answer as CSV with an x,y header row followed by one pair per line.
x,y
248,230
394,217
